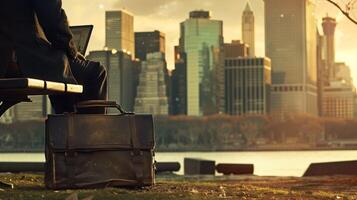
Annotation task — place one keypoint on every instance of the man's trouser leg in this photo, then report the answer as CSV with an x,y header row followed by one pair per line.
x,y
93,77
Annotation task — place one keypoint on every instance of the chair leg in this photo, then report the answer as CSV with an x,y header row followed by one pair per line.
x,y
6,104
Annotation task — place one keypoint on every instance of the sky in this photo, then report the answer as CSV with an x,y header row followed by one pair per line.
x,y
166,15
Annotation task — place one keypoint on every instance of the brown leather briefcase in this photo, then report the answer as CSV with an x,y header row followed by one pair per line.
x,y
92,150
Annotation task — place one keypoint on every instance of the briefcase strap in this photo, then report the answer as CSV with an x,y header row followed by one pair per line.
x,y
70,155
101,104
136,154
133,134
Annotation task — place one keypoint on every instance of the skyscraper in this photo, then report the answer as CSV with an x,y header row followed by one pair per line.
x,y
149,42
247,85
201,40
151,91
322,72
121,80
329,26
290,30
339,100
178,98
119,31
248,30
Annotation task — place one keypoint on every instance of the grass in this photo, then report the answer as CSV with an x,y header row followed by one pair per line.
x,y
31,187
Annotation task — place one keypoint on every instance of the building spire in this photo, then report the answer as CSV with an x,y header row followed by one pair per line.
x,y
248,29
247,7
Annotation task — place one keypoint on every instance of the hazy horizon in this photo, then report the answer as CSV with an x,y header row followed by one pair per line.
x,y
166,15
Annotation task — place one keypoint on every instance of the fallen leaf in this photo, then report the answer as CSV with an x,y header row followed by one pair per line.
x,y
194,191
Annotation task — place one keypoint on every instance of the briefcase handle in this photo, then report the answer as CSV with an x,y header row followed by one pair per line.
x,y
101,104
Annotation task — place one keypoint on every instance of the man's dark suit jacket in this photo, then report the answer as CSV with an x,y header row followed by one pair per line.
x,y
44,56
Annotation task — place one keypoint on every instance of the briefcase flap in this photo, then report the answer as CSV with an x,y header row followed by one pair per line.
x,y
95,132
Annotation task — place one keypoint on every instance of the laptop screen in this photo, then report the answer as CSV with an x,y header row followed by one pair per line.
x,y
81,36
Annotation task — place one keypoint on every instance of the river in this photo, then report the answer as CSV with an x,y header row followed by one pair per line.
x,y
268,163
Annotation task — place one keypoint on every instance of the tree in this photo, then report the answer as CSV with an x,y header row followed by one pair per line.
x,y
347,8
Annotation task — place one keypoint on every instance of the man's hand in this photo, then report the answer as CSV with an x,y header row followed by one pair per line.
x,y
80,56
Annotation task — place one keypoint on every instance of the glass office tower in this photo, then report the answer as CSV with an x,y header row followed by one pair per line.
x,y
290,28
119,31
247,86
201,40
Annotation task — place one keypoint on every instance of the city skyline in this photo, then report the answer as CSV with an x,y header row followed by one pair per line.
x,y
166,16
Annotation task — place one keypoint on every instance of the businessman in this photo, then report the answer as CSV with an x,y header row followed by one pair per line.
x,y
36,42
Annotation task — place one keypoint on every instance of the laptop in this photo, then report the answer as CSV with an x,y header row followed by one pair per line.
x,y
81,36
